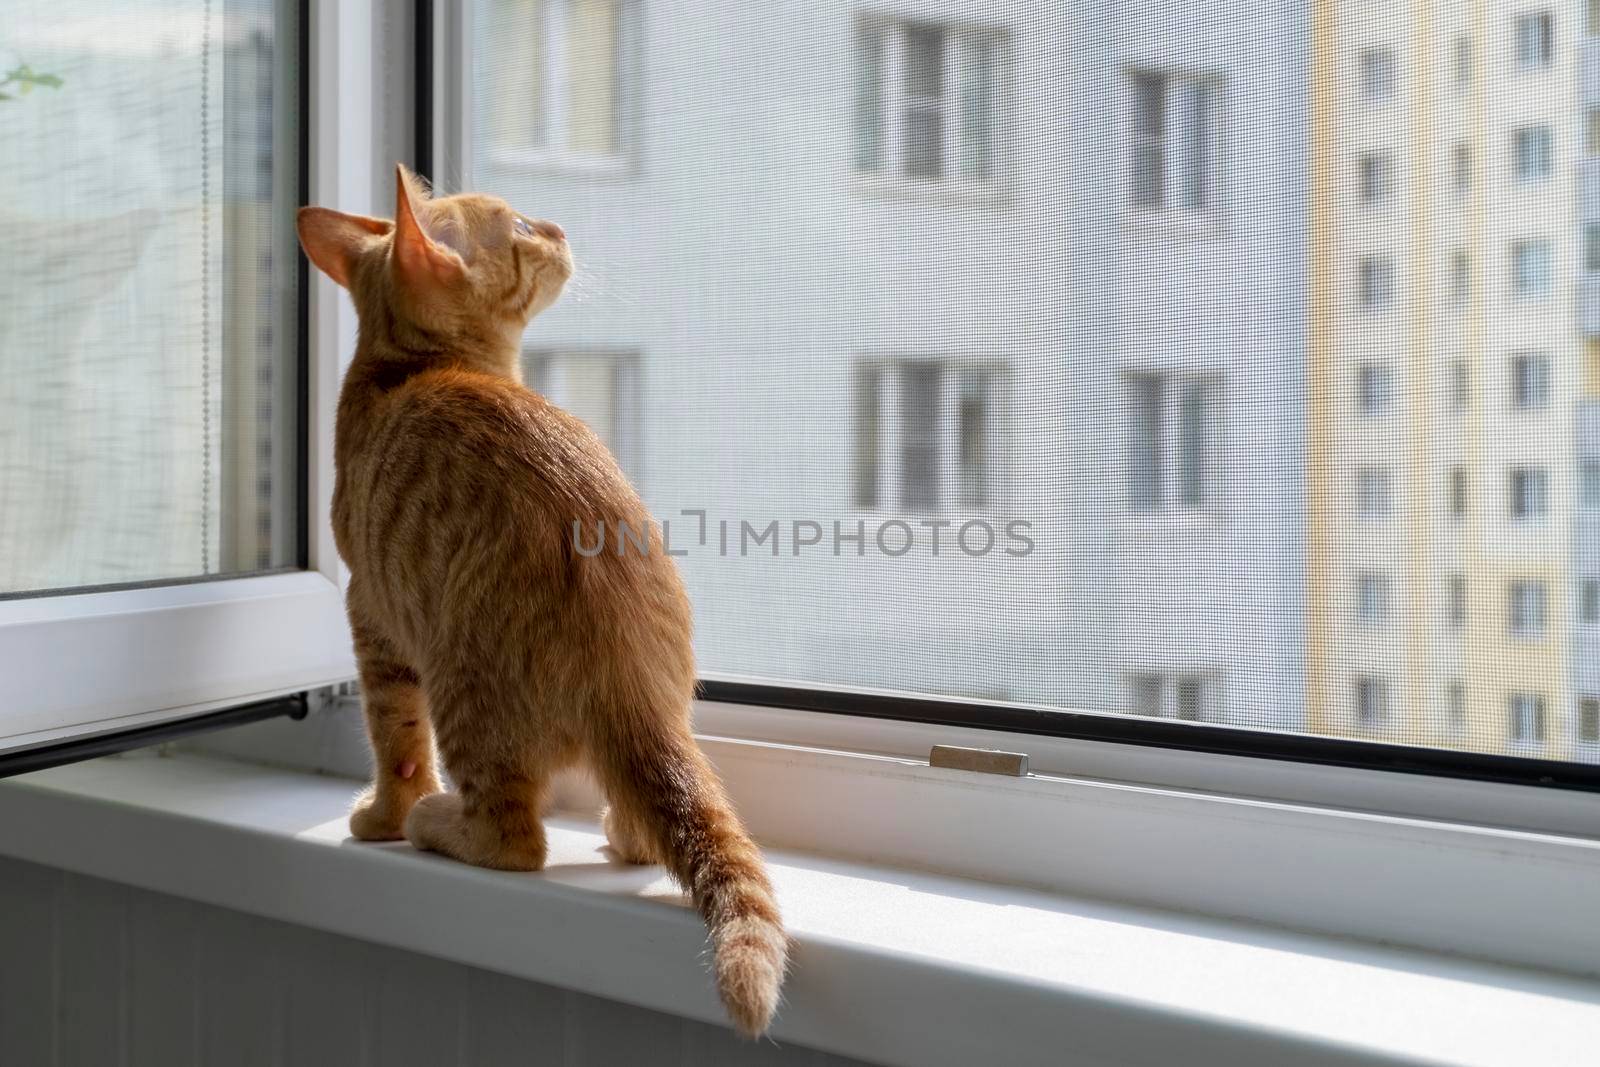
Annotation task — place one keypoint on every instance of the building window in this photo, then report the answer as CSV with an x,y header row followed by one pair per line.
x,y
1589,720
1191,699
1186,696
1377,178
1591,22
927,101
1527,717
1462,61
924,435
1529,493
1525,603
1372,492
1177,141
1375,388
1589,484
1530,267
1458,492
1591,247
1146,694
1456,708
1372,597
1371,701
1532,153
1456,601
1460,277
602,389
1377,74
560,98
1530,381
1175,431
1460,385
1375,282
1589,601
1461,169
1535,40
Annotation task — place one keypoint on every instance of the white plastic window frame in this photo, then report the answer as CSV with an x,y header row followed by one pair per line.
x,y
102,661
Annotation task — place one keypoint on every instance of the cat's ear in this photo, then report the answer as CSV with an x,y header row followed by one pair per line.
x,y
333,240
419,258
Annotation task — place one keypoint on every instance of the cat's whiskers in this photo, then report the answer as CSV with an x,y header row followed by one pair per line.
x,y
589,284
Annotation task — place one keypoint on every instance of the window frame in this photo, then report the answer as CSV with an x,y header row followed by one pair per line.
x,y
1542,58
1169,481
457,141
748,714
885,369
1533,153
1169,207
93,662
891,177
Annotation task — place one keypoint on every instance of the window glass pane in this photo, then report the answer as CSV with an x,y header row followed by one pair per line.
x,y
869,70
919,436
591,76
1149,139
1198,123
1196,442
923,89
973,442
515,98
148,308
868,384
1146,457
979,74
1190,697
1147,694
1275,398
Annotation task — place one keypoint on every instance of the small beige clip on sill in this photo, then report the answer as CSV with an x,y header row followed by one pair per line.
x,y
982,760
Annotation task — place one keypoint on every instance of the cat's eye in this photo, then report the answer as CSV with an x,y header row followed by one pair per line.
x,y
520,224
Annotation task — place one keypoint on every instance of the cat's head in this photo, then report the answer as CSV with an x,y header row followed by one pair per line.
x,y
454,264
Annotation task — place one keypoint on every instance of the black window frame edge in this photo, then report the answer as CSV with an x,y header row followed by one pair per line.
x,y
1210,738
76,749
294,705
1214,738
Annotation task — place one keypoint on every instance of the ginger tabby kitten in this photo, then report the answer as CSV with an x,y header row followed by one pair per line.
x,y
479,629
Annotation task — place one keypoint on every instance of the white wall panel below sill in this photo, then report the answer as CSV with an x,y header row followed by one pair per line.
x,y
890,966
97,973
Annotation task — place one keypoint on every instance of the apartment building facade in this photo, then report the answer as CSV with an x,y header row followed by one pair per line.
x,y
1450,373
928,264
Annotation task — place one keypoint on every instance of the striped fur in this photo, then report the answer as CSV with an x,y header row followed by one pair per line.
x,y
482,634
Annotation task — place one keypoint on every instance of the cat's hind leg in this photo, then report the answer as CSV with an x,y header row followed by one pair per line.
x,y
501,775
492,822
627,831
402,740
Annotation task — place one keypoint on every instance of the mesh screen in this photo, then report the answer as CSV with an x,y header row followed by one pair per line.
x,y
147,298
1228,362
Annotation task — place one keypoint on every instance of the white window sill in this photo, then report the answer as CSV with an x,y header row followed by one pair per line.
x,y
889,966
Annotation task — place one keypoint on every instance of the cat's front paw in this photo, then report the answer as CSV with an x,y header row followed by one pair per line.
x,y
381,815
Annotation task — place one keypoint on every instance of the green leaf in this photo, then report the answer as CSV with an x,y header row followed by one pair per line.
x,y
6,96
51,80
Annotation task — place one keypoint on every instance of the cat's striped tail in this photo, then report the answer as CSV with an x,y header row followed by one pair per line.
x,y
667,806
